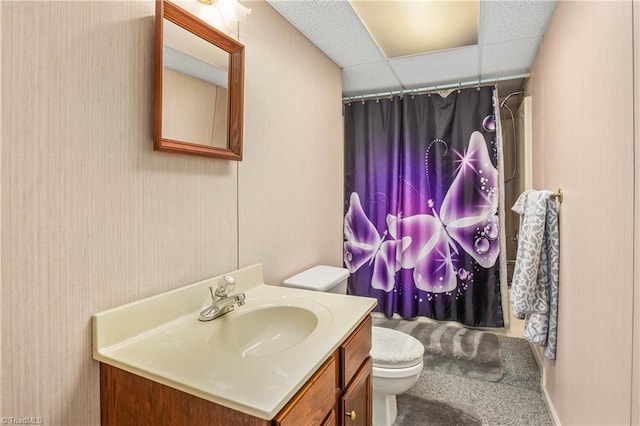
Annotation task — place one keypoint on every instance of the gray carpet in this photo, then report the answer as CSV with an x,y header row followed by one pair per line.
x,y
416,411
456,395
454,350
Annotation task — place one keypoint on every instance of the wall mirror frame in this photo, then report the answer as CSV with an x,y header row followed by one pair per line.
x,y
235,96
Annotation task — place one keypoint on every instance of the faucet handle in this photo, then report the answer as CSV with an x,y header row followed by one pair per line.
x,y
226,286
240,299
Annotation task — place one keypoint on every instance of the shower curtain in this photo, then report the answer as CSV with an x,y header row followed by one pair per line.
x,y
421,227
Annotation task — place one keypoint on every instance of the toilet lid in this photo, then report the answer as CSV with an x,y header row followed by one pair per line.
x,y
394,349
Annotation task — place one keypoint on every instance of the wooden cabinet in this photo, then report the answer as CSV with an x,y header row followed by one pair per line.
x,y
315,401
356,379
355,402
339,393
351,396
127,399
331,419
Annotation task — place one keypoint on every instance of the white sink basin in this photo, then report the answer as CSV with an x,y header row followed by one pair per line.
x,y
266,330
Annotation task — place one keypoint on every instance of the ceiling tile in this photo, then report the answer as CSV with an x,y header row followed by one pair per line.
x,y
508,57
509,20
369,78
334,28
440,67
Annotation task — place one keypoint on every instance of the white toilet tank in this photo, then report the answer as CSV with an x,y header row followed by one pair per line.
x,y
320,278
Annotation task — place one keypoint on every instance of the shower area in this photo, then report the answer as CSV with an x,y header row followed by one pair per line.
x,y
515,128
429,184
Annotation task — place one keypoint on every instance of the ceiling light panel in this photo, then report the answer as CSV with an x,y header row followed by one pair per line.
x,y
403,28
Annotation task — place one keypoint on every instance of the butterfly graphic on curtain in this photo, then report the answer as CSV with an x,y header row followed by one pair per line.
x,y
467,221
364,244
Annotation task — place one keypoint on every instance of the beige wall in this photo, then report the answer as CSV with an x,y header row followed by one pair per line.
x,y
582,87
635,377
93,218
291,177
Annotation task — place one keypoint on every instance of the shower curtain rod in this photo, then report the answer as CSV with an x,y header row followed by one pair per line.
x,y
435,88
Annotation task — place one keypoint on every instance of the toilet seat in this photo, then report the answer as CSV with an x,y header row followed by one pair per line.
x,y
395,350
397,373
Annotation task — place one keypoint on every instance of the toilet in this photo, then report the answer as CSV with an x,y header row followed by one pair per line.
x,y
397,357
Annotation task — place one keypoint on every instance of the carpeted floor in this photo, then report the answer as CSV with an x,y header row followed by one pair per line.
x,y
454,350
464,392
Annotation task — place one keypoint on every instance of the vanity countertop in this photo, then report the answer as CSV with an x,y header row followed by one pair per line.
x,y
161,339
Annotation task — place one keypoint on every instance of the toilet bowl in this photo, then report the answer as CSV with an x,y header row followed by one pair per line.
x,y
397,357
397,364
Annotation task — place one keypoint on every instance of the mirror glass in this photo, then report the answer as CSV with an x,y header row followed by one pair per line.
x,y
198,86
194,87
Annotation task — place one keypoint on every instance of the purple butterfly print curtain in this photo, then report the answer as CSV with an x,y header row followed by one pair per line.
x,y
421,206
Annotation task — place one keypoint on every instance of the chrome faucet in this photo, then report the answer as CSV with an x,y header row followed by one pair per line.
x,y
222,302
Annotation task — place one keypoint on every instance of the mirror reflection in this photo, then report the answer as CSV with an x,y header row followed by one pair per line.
x,y
194,86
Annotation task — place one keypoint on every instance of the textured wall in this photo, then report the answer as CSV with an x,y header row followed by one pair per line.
x,y
635,377
291,178
93,218
582,87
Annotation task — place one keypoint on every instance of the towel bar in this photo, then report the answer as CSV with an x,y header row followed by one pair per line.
x,y
558,195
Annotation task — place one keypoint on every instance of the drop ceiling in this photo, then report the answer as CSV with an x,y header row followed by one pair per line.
x,y
508,36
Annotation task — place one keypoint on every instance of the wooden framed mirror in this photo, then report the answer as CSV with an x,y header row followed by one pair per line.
x,y
198,86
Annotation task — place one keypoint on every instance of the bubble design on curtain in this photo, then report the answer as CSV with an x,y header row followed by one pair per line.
x,y
428,244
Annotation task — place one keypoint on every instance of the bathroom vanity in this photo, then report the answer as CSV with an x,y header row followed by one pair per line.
x,y
287,357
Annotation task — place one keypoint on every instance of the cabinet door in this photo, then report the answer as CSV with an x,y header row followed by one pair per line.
x,y
330,420
355,404
311,405
354,351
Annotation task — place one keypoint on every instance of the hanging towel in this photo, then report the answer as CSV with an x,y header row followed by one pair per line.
x,y
534,288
